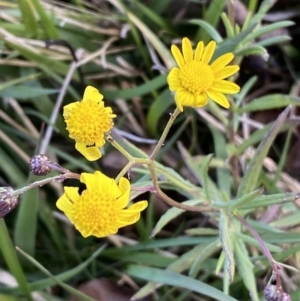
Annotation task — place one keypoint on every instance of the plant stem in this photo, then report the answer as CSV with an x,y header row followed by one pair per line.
x,y
40,183
164,134
264,249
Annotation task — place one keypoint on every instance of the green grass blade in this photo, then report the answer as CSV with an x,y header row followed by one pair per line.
x,y
250,179
148,87
171,278
26,225
212,16
68,288
245,267
48,24
12,260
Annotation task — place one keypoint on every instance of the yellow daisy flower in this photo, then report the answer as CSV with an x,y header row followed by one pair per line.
x,y
99,209
196,80
87,122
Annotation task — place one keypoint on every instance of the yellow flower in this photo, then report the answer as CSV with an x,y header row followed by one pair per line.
x,y
99,209
195,80
87,122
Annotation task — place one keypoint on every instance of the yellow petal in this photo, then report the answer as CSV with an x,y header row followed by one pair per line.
x,y
132,210
187,50
178,102
69,107
219,98
225,86
72,193
177,56
91,153
138,206
128,220
222,61
201,100
173,79
92,94
184,98
226,72
63,203
208,52
124,186
92,181
199,51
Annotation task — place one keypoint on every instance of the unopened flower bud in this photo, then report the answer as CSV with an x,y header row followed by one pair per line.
x,y
272,293
8,201
40,165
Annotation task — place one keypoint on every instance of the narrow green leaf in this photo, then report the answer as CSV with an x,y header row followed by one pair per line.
x,y
268,28
223,174
272,199
26,225
68,288
212,16
12,260
201,173
274,41
251,50
289,221
247,198
258,135
253,242
26,92
65,276
48,24
28,18
41,60
250,179
177,280
20,80
201,231
225,237
245,268
8,298
155,41
170,215
262,10
229,45
211,30
205,253
141,90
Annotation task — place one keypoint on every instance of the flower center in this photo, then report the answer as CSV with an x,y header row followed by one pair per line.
x,y
88,121
196,77
94,211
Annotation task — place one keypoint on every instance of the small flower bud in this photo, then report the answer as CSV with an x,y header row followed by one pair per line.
x,y
272,293
39,165
8,201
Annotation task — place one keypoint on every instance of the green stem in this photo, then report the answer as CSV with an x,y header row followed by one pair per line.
x,y
12,260
164,134
40,183
117,146
124,170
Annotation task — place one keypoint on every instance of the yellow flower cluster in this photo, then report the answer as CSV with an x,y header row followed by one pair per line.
x,y
100,210
194,81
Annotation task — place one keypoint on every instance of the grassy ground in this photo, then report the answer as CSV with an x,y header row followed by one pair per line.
x,y
239,166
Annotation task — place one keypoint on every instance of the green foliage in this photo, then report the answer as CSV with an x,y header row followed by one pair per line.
x,y
233,177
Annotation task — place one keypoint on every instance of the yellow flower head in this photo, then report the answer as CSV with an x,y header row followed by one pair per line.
x,y
87,122
99,209
195,80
